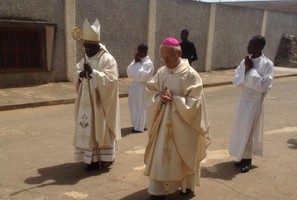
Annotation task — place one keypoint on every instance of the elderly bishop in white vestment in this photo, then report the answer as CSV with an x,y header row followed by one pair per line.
x,y
177,123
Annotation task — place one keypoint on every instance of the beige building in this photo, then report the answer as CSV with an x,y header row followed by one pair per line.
x,y
36,45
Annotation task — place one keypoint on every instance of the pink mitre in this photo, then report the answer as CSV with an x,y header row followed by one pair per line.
x,y
171,42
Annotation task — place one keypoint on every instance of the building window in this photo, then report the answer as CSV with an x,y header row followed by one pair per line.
x,y
22,49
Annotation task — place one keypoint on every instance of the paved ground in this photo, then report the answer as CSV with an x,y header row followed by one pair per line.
x,y
36,159
64,92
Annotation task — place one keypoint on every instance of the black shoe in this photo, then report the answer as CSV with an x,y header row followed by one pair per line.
x,y
105,165
135,131
245,169
246,165
238,164
93,166
157,197
188,191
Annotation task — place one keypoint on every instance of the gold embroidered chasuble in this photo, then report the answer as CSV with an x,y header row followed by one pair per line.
x,y
105,98
178,130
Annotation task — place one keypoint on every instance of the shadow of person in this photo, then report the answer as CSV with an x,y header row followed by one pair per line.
x,y
144,195
130,130
293,143
64,174
126,131
225,171
178,196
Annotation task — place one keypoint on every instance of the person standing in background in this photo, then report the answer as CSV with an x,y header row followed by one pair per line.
x,y
141,70
254,77
188,48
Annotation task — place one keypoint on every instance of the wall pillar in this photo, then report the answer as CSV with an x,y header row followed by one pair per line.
x,y
152,12
70,43
210,37
264,23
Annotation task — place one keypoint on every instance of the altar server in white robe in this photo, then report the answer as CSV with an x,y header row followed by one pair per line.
x,y
97,104
141,70
177,123
254,77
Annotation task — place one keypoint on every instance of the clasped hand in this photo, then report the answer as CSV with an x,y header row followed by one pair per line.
x,y
165,95
87,69
248,64
137,58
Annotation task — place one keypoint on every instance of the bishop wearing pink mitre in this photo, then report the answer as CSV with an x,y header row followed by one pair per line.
x,y
177,123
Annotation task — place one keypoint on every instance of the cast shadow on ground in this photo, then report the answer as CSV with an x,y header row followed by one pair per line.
x,y
64,174
224,171
127,131
144,195
293,143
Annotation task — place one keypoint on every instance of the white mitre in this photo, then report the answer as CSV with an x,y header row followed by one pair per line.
x,y
91,33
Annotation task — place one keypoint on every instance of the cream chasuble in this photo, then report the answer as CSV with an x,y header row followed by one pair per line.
x,y
247,129
105,98
178,130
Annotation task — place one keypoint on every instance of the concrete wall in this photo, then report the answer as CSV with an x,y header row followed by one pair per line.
x,y
222,45
278,23
220,32
37,10
173,16
125,24
234,26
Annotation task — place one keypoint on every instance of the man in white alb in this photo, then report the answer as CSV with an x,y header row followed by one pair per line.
x,y
254,77
141,70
